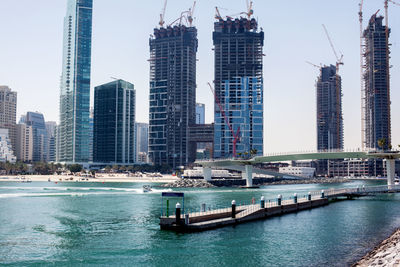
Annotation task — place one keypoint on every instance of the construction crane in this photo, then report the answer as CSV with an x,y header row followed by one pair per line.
x,y
339,61
162,15
217,14
250,10
235,136
190,14
360,18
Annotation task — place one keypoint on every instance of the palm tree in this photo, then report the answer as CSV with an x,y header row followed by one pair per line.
x,y
253,152
382,143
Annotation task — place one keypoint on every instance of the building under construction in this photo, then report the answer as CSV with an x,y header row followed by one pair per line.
x,y
329,109
376,84
172,94
238,109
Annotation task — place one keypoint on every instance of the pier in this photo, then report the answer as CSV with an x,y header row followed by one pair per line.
x,y
237,214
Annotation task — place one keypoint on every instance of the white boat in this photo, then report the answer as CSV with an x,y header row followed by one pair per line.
x,y
147,188
396,181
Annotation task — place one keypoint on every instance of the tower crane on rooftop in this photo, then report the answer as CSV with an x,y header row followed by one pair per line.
x,y
162,15
190,14
250,10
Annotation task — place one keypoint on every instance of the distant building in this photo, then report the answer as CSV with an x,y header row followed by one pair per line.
x,y
6,152
24,144
8,112
51,140
305,172
36,120
91,126
329,110
114,120
142,141
377,102
238,80
200,113
172,95
75,83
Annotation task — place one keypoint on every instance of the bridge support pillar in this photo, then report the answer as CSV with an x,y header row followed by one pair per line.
x,y
207,173
390,168
248,175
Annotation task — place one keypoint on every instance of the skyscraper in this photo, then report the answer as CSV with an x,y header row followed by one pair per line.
x,y
114,123
8,113
329,109
200,113
75,83
172,95
142,141
376,81
51,127
36,120
238,109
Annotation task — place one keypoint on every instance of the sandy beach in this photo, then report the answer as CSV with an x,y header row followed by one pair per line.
x,y
385,254
100,178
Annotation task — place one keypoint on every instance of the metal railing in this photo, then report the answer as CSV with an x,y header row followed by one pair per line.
x,y
244,209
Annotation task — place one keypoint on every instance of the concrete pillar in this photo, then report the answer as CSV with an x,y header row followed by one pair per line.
x,y
248,175
390,168
207,173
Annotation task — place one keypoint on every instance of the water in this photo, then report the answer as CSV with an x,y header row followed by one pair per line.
x,y
116,224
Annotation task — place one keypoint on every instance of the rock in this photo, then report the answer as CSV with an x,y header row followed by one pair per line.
x,y
182,183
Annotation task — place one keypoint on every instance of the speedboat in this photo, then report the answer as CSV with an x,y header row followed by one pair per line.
x,y
147,188
396,181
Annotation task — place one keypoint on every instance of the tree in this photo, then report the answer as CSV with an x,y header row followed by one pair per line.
x,y
382,143
253,152
74,168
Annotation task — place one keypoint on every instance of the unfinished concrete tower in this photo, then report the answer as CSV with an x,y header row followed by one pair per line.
x,y
376,83
329,109
172,94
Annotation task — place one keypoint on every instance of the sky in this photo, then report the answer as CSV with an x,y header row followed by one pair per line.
x,y
31,56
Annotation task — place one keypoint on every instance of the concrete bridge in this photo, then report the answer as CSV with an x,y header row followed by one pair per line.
x,y
247,169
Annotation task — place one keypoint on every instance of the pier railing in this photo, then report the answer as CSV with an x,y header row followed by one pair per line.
x,y
245,208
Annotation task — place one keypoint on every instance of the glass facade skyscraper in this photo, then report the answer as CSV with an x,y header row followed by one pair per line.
x,y
114,123
75,83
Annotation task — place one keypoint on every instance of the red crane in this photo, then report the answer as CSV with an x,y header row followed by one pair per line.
x,y
235,136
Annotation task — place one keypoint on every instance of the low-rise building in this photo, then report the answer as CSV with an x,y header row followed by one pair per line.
x,y
305,172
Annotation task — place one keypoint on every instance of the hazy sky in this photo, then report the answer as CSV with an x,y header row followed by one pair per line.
x,y
31,56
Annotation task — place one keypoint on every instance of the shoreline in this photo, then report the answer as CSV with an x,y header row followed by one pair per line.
x,y
387,253
114,178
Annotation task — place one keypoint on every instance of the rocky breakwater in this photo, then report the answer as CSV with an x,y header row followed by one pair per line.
x,y
182,183
386,254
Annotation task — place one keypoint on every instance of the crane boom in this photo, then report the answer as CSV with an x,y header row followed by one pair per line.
x,y
162,15
360,18
330,42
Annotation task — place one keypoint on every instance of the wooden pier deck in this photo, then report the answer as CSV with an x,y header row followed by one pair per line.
x,y
207,220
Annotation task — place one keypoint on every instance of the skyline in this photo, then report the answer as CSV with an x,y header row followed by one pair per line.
x,y
41,61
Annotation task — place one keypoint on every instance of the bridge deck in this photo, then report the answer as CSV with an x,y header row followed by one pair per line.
x,y
201,221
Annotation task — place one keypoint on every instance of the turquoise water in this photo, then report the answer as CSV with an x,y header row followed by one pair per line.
x,y
116,224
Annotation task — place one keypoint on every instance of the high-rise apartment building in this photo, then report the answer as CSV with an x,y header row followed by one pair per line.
x,y
142,141
172,95
200,113
24,144
8,112
114,123
329,109
51,140
238,109
75,83
377,125
36,120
